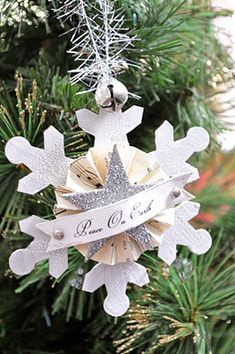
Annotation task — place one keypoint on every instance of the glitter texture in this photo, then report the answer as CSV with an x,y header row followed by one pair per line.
x,y
99,30
182,233
48,165
110,128
117,187
24,260
173,155
115,278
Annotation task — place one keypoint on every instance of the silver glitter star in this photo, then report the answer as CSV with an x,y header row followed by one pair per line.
x,y
117,187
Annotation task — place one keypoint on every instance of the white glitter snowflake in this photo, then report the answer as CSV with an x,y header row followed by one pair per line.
x,y
112,204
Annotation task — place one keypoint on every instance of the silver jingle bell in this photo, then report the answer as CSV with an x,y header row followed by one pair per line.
x,y
111,95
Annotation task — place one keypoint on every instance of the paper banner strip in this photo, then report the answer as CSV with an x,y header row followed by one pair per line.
x,y
99,223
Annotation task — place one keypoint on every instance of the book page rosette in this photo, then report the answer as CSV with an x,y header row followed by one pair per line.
x,y
88,173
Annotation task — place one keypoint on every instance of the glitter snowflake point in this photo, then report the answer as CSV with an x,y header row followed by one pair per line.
x,y
172,155
48,166
182,233
115,278
23,261
110,128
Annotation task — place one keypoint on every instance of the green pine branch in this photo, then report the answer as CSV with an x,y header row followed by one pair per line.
x,y
184,307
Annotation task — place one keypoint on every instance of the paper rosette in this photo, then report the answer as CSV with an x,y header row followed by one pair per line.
x,y
89,173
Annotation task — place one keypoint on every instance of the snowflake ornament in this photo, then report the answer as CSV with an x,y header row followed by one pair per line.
x,y
113,204
116,202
